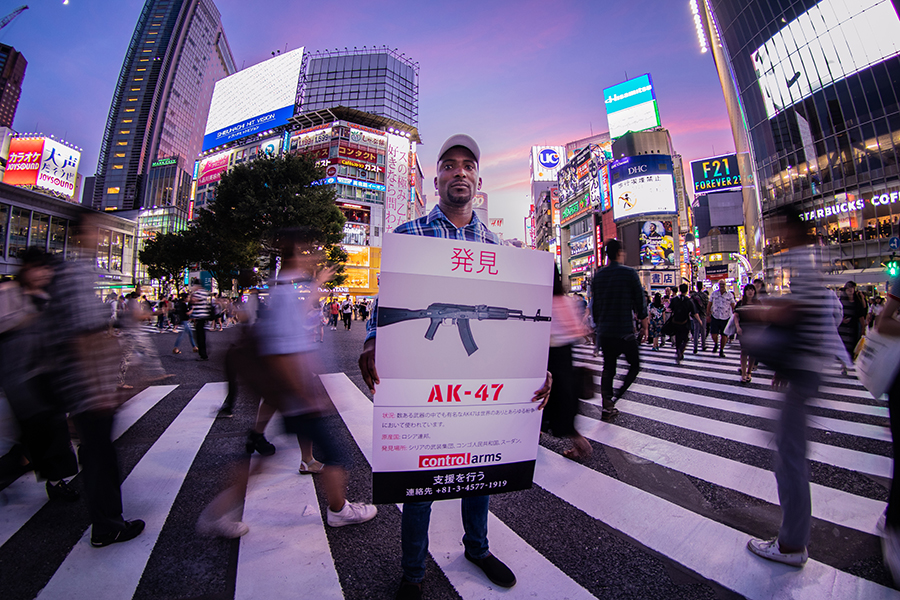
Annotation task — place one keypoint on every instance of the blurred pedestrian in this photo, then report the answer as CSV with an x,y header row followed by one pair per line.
x,y
85,360
683,314
720,309
134,342
566,329
24,370
799,322
853,323
618,299
200,312
182,310
748,299
656,313
701,300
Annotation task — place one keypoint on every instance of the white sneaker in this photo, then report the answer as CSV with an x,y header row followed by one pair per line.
x,y
769,550
890,551
351,514
222,527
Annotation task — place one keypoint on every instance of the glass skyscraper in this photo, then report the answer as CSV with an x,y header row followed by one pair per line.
x,y
812,92
12,72
158,113
381,82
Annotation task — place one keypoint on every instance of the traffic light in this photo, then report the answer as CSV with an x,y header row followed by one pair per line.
x,y
893,266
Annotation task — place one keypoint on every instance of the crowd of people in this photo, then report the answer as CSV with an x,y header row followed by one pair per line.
x,y
64,356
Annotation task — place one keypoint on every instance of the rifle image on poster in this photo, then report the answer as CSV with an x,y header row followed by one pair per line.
x,y
454,314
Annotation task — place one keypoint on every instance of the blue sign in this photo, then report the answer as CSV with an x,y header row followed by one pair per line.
x,y
366,185
631,106
259,123
894,243
549,158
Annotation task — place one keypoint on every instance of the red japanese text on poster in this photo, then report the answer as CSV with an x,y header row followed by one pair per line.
x,y
463,336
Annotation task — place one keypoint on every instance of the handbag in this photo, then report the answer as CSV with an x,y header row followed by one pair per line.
x,y
878,362
730,327
583,382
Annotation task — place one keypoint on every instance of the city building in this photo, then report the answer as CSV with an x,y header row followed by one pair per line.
x,y
816,120
154,132
12,72
544,164
355,112
29,218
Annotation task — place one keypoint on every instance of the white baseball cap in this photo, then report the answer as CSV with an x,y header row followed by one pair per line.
x,y
461,139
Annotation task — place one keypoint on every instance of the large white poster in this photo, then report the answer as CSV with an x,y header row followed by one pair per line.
x,y
463,336
397,182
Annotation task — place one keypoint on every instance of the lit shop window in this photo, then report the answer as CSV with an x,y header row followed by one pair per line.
x,y
117,167
112,190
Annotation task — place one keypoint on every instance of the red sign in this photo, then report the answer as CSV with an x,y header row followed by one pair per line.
x,y
24,161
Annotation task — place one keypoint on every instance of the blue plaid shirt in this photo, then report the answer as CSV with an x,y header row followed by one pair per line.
x,y
436,224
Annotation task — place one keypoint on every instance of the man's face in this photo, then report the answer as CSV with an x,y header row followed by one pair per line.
x,y
721,287
457,178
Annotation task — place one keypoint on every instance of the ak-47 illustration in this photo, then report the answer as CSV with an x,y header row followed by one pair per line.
x,y
455,314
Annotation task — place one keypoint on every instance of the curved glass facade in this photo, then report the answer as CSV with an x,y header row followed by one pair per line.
x,y
818,82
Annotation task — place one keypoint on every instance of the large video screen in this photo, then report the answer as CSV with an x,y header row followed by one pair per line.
x,y
631,106
830,41
253,100
657,244
641,185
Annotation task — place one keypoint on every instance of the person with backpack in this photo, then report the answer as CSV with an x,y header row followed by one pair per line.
x,y
683,314
700,300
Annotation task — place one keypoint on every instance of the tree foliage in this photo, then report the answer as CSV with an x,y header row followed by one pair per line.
x,y
253,201
166,256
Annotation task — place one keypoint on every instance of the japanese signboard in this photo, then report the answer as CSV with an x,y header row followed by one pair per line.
x,y
463,335
642,184
397,180
662,278
43,163
212,168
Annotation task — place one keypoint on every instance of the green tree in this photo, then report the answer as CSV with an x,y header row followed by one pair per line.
x,y
166,256
256,199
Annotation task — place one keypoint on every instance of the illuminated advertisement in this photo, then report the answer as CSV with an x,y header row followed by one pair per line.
x,y
496,223
212,168
546,162
831,41
581,245
642,184
631,106
253,100
366,185
574,210
43,163
361,154
397,179
305,138
605,193
364,135
657,244
580,265
716,173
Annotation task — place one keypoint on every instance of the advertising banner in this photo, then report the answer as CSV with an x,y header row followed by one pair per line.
x,y
546,162
716,272
255,99
367,136
631,106
605,193
24,161
662,278
576,209
657,244
312,136
642,184
397,180
59,168
212,168
716,173
463,337
361,154
496,223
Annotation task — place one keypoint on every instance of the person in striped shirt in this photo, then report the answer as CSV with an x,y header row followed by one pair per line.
x,y
200,312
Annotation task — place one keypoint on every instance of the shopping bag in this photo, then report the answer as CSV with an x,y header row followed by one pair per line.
x,y
730,327
878,362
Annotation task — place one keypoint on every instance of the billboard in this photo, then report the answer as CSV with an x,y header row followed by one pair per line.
x,y
397,180
212,168
657,244
546,162
641,185
605,193
716,173
42,163
631,106
831,41
253,100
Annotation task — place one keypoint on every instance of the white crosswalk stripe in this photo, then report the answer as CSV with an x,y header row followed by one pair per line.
x,y
288,545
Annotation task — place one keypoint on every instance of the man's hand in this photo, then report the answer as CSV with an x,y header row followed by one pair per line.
x,y
645,329
542,395
367,366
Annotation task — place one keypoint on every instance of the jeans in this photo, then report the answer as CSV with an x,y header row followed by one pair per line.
x,y
414,533
699,331
185,328
791,466
613,348
100,472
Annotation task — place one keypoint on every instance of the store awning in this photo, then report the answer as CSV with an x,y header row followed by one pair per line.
x,y
859,276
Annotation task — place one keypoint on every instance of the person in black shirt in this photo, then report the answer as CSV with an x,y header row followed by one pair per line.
x,y
683,312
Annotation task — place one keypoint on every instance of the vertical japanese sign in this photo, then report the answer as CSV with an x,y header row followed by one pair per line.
x,y
463,335
397,181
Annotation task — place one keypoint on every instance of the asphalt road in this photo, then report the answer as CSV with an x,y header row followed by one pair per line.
x,y
661,509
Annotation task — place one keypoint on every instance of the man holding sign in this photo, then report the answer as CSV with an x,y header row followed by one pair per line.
x,y
450,401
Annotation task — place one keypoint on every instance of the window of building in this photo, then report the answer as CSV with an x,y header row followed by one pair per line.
x,y
40,225
117,167
132,100
141,69
57,241
103,247
4,215
18,231
121,143
146,51
124,131
112,190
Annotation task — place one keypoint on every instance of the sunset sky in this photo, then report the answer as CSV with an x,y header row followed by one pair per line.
x,y
512,74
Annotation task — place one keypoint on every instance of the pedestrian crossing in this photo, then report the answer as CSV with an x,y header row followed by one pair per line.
x,y
682,476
